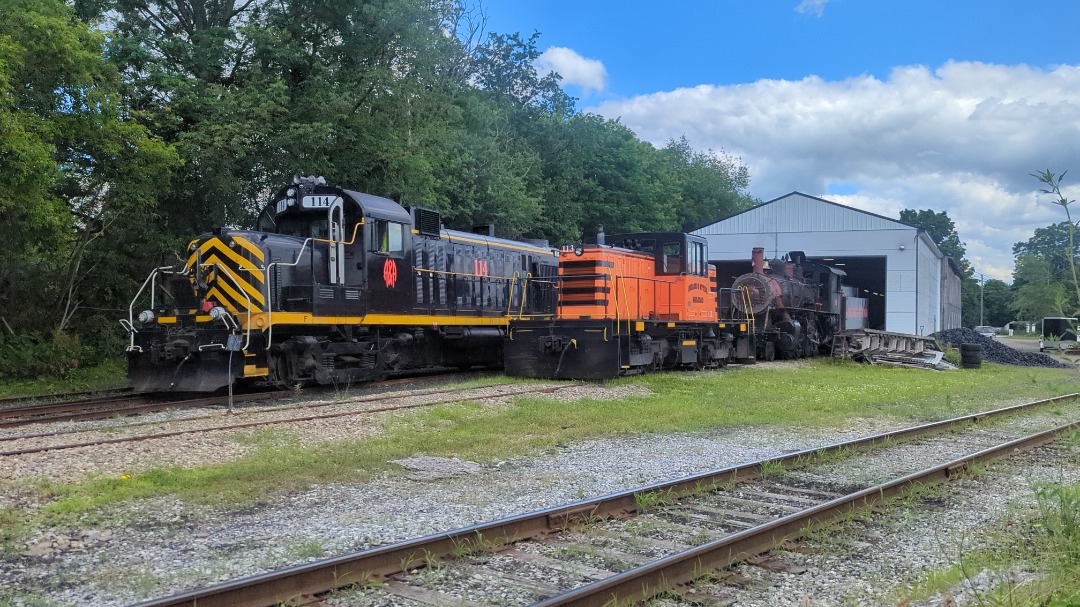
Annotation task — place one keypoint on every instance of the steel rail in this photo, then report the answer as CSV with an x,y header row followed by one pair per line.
x,y
649,580
280,587
206,401
55,412
256,424
103,393
381,396
60,407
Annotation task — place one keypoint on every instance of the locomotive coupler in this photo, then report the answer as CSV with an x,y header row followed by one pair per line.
x,y
556,343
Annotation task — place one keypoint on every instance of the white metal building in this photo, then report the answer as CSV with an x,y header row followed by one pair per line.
x,y
911,286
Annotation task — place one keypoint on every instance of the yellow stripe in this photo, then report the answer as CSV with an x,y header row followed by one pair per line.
x,y
499,245
166,320
235,302
256,304
251,290
255,371
689,342
222,299
303,318
255,251
239,260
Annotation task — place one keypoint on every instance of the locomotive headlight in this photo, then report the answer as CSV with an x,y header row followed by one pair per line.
x,y
146,316
291,192
217,313
579,251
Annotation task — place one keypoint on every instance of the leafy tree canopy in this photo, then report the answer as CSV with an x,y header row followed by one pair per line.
x,y
74,167
942,231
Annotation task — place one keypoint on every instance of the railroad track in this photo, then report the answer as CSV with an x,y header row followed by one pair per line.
x,y
40,447
7,400
113,406
122,405
598,552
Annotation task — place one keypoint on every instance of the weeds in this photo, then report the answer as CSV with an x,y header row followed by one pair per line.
x,y
770,468
647,501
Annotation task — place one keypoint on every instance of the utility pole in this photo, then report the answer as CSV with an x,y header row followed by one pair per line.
x,y
982,281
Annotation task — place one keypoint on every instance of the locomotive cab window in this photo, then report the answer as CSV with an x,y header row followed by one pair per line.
x,y
387,236
304,226
672,257
696,263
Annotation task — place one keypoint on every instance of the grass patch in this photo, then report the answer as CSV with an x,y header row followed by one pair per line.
x,y
109,375
818,394
1045,552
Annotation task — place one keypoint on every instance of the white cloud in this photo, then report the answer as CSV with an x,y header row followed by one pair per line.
x,y
813,7
962,139
589,74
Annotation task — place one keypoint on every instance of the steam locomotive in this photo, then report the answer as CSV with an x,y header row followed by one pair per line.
x,y
652,301
333,286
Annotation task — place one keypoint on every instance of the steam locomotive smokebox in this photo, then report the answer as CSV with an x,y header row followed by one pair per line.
x,y
971,356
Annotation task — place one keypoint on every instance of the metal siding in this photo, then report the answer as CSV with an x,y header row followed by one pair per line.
x,y
928,315
950,297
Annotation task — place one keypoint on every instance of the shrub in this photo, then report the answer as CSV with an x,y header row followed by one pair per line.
x,y
29,355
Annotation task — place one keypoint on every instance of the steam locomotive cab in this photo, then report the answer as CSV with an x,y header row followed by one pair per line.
x,y
334,286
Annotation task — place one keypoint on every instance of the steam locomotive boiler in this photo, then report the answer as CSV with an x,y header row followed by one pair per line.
x,y
797,306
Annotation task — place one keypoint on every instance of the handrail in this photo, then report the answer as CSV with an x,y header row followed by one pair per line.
x,y
131,306
152,281
267,269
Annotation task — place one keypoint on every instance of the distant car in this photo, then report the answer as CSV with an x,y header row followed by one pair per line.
x,y
986,331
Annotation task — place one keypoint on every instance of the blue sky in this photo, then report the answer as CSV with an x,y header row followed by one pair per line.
x,y
881,105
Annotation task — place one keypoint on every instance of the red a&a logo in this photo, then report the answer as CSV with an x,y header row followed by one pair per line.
x,y
389,273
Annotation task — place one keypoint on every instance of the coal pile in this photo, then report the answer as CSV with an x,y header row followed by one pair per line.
x,y
996,352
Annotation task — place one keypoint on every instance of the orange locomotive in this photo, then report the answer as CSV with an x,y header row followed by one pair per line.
x,y
643,302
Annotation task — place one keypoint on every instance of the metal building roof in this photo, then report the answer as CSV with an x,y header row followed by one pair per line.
x,y
798,212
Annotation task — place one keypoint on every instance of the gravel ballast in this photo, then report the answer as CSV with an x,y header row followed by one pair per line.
x,y
154,547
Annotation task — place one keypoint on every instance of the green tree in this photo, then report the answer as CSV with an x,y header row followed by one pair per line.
x,y
942,231
75,168
505,68
996,298
712,185
1036,293
1050,243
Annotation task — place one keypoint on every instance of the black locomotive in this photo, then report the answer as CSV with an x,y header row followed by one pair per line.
x,y
333,286
796,306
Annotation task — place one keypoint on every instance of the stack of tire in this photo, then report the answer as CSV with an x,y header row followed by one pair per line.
x,y
971,356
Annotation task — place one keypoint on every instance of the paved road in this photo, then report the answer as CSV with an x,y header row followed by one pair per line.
x,y
1032,345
